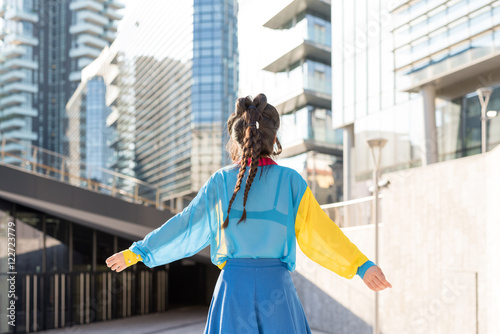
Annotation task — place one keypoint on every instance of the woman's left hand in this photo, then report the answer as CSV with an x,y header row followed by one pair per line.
x,y
116,262
374,278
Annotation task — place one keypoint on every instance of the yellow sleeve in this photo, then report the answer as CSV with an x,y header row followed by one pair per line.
x,y
323,241
130,257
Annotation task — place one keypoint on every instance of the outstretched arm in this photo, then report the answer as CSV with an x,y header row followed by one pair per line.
x,y
325,243
183,235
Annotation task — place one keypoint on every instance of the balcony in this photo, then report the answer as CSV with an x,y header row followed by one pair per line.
x,y
19,14
12,76
19,111
12,52
280,19
19,87
113,139
91,17
83,51
84,61
15,147
86,4
112,117
92,41
308,84
12,100
303,97
12,124
18,63
112,94
112,14
82,28
115,4
112,26
306,40
18,39
109,36
112,74
22,135
75,76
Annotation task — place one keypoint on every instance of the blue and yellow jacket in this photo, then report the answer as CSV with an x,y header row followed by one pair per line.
x,y
281,212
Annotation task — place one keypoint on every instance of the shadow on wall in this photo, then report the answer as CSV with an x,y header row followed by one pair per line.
x,y
325,313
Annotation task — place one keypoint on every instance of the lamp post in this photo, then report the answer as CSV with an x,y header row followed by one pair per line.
x,y
376,143
484,97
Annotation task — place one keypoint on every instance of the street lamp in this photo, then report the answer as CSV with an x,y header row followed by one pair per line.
x,y
484,97
491,114
376,144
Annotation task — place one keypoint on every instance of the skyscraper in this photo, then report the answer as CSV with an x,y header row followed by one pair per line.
x,y
173,81
45,45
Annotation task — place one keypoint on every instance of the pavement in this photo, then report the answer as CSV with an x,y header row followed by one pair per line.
x,y
186,320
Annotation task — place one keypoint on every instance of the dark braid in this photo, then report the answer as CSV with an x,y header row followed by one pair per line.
x,y
253,127
251,149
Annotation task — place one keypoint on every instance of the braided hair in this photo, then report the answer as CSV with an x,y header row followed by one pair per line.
x,y
252,127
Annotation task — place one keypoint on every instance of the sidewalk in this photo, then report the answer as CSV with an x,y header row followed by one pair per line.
x,y
186,320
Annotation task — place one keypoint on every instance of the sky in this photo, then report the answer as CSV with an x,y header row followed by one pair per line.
x,y
258,46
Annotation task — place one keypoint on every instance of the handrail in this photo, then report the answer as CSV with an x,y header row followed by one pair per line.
x,y
28,160
356,212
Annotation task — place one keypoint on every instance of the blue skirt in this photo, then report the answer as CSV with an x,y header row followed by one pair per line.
x,y
255,296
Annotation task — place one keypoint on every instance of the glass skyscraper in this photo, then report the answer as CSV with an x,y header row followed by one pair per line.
x,y
173,73
87,133
45,46
408,72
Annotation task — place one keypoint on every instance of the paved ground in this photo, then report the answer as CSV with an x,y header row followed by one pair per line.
x,y
187,320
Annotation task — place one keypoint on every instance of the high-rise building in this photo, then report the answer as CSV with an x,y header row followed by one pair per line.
x,y
101,120
185,89
301,64
87,133
45,46
173,73
408,72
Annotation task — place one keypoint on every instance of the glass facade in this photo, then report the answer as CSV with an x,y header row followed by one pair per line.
x,y
307,123
432,37
96,131
62,279
18,67
45,46
87,133
323,173
459,125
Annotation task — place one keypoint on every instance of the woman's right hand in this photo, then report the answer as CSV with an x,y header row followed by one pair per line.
x,y
116,262
374,278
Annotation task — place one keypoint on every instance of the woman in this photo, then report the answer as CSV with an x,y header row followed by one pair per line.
x,y
252,233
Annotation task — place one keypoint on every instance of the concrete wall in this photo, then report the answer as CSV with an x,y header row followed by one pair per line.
x,y
439,248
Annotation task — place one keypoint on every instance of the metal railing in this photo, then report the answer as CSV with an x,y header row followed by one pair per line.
x,y
64,299
357,212
37,160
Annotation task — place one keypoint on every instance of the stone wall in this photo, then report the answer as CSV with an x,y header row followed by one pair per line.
x,y
439,248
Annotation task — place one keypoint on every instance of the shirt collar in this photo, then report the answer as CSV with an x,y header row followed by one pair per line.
x,y
262,162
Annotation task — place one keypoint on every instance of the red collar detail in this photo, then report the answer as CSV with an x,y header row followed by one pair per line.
x,y
262,162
